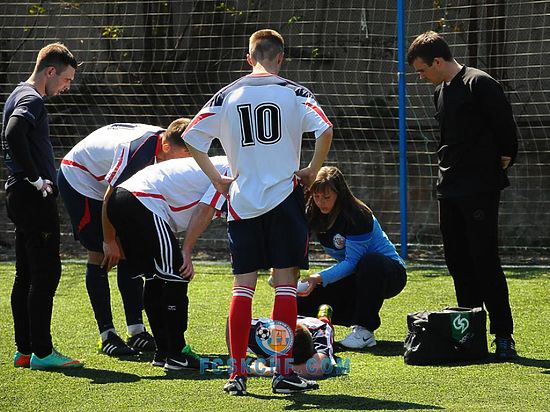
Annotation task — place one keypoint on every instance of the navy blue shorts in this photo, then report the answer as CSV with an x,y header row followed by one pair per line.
x,y
85,215
277,239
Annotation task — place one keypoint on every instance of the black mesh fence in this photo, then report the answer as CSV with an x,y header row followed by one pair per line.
x,y
154,61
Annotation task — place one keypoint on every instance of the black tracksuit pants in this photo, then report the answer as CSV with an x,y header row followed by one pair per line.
x,y
151,248
37,266
358,298
469,226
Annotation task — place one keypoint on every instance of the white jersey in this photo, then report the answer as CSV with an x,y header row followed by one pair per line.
x,y
109,155
259,120
172,188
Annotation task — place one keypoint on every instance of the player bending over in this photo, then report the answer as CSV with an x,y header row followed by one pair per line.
x,y
99,162
146,211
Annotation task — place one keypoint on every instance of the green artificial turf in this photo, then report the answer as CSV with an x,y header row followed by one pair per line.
x,y
378,379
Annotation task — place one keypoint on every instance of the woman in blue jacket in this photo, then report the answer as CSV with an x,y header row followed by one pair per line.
x,y
368,268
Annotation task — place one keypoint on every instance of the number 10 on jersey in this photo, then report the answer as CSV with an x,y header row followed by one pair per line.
x,y
263,124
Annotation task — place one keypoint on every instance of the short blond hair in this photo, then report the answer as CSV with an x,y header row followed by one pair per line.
x,y
56,55
265,44
175,130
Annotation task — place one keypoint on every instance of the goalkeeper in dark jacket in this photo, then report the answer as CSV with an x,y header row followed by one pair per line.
x,y
32,207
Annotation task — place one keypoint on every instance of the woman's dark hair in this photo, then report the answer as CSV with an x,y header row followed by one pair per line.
x,y
331,178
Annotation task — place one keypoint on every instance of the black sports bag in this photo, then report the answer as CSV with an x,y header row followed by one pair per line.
x,y
448,335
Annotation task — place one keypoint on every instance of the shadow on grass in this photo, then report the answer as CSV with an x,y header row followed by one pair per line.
x,y
146,357
190,374
102,376
307,401
524,273
382,348
221,372
536,363
531,362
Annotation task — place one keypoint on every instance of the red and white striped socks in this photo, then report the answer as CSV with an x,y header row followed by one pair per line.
x,y
240,316
285,310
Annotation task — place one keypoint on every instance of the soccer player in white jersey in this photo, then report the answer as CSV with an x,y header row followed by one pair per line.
x,y
146,211
100,161
259,120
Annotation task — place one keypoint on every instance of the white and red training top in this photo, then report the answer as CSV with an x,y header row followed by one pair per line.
x,y
259,120
110,155
172,188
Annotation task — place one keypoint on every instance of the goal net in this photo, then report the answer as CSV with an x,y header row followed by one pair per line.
x,y
153,61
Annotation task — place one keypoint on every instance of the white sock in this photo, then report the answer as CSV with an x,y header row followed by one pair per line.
x,y
136,329
105,334
358,329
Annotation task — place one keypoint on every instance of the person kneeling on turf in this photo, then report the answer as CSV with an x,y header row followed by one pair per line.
x,y
146,211
368,268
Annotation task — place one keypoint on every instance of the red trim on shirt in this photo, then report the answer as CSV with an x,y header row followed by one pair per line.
x,y
180,208
216,196
232,211
215,199
319,112
159,144
115,170
154,195
161,197
197,119
81,167
85,217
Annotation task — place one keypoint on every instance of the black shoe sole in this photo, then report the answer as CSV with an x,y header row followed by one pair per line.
x,y
173,368
291,391
235,393
120,355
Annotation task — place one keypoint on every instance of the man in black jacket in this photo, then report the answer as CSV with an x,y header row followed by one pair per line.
x,y
478,144
31,206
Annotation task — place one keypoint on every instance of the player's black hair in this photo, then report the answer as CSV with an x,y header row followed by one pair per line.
x,y
428,46
175,130
303,348
331,178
